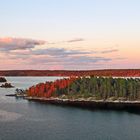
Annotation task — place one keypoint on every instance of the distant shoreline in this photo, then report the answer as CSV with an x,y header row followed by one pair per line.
x,y
94,104
104,72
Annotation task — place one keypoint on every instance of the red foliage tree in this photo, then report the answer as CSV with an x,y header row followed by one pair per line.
x,y
47,89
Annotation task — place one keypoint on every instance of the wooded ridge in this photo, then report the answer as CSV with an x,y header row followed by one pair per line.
x,y
106,72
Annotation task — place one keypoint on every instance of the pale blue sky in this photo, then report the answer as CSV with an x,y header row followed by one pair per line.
x,y
102,24
25,17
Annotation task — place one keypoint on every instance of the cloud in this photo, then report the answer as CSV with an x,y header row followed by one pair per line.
x,y
75,40
55,56
67,41
9,44
67,52
59,52
120,58
21,51
69,61
110,51
88,59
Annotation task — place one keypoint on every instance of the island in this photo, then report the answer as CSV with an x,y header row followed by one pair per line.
x,y
7,85
90,92
2,80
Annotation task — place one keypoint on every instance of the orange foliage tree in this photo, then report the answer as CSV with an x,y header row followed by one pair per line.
x,y
49,89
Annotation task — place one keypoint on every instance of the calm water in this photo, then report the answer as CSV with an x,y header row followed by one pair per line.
x,y
23,120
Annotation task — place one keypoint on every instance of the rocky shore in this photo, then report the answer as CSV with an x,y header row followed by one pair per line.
x,y
91,104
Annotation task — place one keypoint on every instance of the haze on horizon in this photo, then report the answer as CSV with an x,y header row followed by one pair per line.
x,y
72,34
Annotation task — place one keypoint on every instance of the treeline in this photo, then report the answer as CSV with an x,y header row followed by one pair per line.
x,y
49,89
106,72
86,87
106,88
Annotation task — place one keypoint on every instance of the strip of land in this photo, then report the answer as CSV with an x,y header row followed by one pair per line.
x,y
89,92
106,72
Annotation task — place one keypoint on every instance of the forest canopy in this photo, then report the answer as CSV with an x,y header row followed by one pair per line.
x,y
105,88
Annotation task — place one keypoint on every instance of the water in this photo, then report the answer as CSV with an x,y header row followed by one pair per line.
x,y
23,120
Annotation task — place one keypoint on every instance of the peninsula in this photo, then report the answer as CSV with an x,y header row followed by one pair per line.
x,y
93,92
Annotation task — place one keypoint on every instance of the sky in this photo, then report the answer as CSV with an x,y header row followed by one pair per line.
x,y
69,34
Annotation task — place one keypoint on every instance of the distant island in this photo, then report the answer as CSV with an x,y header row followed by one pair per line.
x,y
89,91
7,85
106,72
3,79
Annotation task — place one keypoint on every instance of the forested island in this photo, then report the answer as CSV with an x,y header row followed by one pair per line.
x,y
89,92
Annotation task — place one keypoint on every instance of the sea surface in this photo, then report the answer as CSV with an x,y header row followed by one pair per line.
x,y
26,120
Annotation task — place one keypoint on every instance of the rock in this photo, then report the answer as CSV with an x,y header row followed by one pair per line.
x,y
20,93
6,85
2,80
11,95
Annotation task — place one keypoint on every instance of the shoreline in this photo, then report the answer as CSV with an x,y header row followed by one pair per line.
x,y
93,104
100,72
